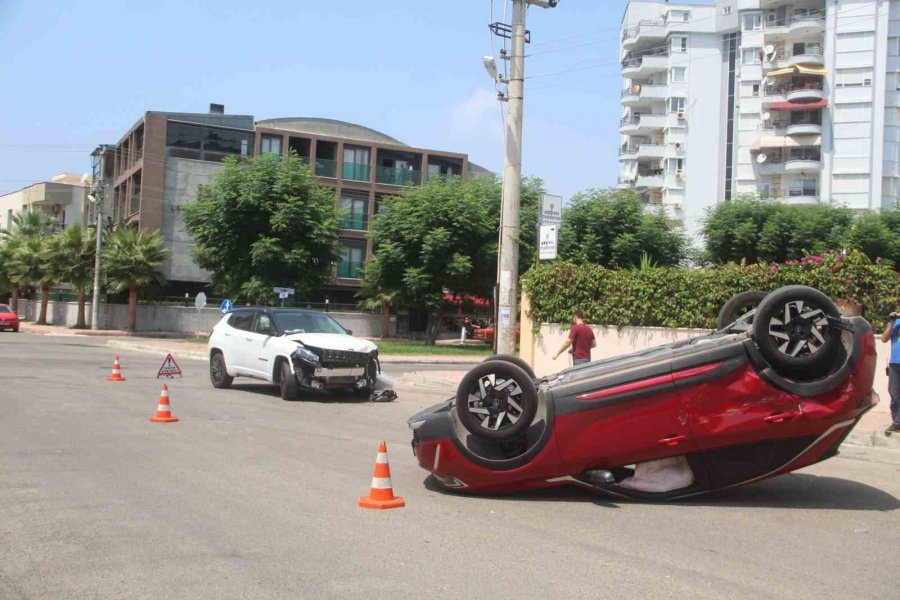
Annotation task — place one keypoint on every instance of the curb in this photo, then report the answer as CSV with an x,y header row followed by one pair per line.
x,y
156,350
426,382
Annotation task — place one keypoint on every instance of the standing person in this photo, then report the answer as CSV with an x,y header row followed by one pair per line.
x,y
581,338
892,334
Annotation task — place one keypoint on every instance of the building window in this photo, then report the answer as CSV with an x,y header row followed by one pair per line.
x,y
356,207
679,15
677,74
854,78
203,142
753,22
679,43
675,166
893,46
356,163
270,144
755,90
751,56
726,10
676,105
353,256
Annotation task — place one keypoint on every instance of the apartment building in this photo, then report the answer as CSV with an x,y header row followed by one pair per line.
x,y
63,200
790,99
159,164
362,165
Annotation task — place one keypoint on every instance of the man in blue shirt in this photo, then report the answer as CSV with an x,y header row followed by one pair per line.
x,y
892,334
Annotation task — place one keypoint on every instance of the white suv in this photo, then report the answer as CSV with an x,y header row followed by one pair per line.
x,y
295,349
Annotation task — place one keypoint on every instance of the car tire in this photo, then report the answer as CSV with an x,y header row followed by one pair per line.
x,y
512,358
487,411
287,383
218,374
791,328
737,306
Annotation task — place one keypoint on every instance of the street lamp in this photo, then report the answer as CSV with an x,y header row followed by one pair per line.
x,y
96,198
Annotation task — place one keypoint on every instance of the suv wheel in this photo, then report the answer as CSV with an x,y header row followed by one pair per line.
x,y
218,374
289,387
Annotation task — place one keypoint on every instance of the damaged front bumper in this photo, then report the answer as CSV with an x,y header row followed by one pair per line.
x,y
322,369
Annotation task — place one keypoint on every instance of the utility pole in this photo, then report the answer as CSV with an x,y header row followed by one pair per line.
x,y
508,274
96,198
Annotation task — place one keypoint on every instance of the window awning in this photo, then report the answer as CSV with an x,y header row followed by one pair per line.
x,y
784,141
798,105
798,69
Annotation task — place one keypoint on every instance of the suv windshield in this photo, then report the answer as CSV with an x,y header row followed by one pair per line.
x,y
306,322
4,309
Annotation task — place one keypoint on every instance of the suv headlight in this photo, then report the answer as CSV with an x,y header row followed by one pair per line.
x,y
306,355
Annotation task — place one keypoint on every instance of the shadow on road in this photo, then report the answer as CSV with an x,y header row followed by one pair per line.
x,y
322,397
801,491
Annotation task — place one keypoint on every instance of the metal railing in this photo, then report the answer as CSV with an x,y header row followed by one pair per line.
x,y
350,269
786,88
326,167
630,32
635,59
355,221
816,14
355,171
397,176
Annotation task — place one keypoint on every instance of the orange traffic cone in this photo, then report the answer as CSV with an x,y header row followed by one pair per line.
x,y
382,494
116,374
163,413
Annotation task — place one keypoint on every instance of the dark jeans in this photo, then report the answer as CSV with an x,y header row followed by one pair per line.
x,y
894,391
581,361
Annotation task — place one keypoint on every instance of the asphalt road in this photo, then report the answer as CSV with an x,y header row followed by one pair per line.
x,y
252,497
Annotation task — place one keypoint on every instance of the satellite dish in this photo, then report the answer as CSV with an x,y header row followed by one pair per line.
x,y
766,116
770,49
762,158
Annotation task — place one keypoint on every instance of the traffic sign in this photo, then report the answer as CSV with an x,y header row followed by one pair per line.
x,y
281,290
226,306
551,210
169,368
200,301
547,242
283,295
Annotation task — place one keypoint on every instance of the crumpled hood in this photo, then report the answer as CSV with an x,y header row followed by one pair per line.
x,y
333,341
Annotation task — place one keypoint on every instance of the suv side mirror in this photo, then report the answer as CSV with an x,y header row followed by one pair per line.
x,y
348,331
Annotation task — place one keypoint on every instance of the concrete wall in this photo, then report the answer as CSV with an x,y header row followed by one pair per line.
x,y
183,177
176,318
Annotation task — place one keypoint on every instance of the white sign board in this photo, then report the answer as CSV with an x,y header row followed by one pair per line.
x,y
200,301
551,210
280,290
283,295
547,242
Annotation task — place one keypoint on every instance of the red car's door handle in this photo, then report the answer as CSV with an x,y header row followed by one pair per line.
x,y
781,417
672,440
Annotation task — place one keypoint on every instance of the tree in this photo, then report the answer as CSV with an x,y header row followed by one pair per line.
x,y
753,229
131,261
264,222
613,228
71,259
438,236
29,265
23,225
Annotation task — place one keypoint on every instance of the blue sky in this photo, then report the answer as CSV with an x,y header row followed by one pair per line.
x,y
78,73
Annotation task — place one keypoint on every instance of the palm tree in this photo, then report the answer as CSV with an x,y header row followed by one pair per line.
x,y
131,261
71,259
25,224
371,299
29,266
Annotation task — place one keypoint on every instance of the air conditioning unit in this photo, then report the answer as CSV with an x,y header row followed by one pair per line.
x,y
680,115
679,174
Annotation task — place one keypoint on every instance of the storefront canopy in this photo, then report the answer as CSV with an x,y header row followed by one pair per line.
x,y
798,70
785,141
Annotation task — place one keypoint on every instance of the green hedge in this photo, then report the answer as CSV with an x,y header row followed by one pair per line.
x,y
672,297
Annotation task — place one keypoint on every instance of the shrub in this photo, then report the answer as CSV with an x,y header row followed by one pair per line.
x,y
671,297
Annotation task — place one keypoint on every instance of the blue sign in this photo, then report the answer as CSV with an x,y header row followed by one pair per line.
x,y
225,307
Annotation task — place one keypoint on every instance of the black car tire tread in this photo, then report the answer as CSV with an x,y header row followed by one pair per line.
x,y
512,358
737,306
505,370
223,381
287,383
800,368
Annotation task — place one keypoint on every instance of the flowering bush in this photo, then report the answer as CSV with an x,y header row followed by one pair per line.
x,y
671,297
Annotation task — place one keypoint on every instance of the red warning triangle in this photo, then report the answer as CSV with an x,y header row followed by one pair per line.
x,y
169,368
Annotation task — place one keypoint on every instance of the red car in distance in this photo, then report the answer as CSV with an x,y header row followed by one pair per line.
x,y
8,319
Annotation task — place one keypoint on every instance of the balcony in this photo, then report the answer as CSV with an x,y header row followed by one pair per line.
x,y
398,176
797,165
628,151
640,64
625,182
799,195
808,91
806,94
643,93
803,129
807,22
355,171
355,221
645,30
642,124
326,168
350,269
650,178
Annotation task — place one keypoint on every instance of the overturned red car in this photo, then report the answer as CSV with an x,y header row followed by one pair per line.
x,y
773,391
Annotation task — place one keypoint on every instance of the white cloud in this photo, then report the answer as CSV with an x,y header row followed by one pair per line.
x,y
477,114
